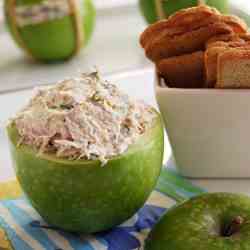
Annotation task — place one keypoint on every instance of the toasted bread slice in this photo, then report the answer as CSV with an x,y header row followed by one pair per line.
x,y
211,58
237,24
234,69
245,37
181,21
232,37
165,46
192,15
184,71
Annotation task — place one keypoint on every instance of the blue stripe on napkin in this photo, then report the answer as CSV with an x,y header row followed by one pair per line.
x,y
15,239
23,219
27,230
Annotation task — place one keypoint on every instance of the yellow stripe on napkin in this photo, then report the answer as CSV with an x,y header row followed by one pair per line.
x,y
10,190
158,199
4,242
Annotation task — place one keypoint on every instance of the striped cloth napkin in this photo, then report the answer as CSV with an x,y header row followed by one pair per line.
x,y
26,230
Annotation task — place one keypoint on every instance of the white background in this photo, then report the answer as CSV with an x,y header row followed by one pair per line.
x,y
245,4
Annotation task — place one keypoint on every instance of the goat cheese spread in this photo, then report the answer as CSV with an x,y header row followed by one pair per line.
x,y
83,118
41,12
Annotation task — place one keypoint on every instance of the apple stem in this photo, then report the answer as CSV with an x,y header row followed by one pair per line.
x,y
201,2
159,9
233,227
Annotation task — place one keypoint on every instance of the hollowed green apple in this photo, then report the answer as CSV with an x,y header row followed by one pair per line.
x,y
148,7
52,40
216,221
83,196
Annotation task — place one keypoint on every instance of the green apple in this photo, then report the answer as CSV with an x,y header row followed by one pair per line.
x,y
51,40
148,7
216,221
84,196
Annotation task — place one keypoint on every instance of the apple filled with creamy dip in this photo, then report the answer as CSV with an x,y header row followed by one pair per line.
x,y
86,154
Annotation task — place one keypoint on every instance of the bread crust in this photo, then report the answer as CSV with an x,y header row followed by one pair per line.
x,y
233,59
212,53
245,37
232,37
201,15
165,46
237,24
224,38
210,58
191,46
185,71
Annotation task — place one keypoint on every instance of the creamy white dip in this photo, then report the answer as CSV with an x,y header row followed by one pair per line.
x,y
83,118
38,13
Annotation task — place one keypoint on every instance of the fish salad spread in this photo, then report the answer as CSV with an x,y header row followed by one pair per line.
x,y
82,118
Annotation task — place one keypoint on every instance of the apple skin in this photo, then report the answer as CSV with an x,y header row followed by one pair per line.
x,y
199,222
53,40
171,6
88,20
83,196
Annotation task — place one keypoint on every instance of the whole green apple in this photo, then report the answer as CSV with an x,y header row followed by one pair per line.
x,y
84,196
216,221
50,39
149,10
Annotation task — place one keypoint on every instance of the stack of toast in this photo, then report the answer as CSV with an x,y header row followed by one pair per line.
x,y
200,48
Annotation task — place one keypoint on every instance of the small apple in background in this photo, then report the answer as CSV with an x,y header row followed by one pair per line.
x,y
51,40
148,7
216,221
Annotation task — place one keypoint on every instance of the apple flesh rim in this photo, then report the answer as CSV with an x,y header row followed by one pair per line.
x,y
214,221
53,40
83,196
171,6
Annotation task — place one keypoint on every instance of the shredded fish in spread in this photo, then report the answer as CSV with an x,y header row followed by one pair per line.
x,y
41,12
83,118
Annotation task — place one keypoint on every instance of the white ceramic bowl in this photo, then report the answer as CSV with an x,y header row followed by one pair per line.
x,y
208,129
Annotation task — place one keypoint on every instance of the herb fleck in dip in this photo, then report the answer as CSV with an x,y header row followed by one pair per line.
x,y
82,118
